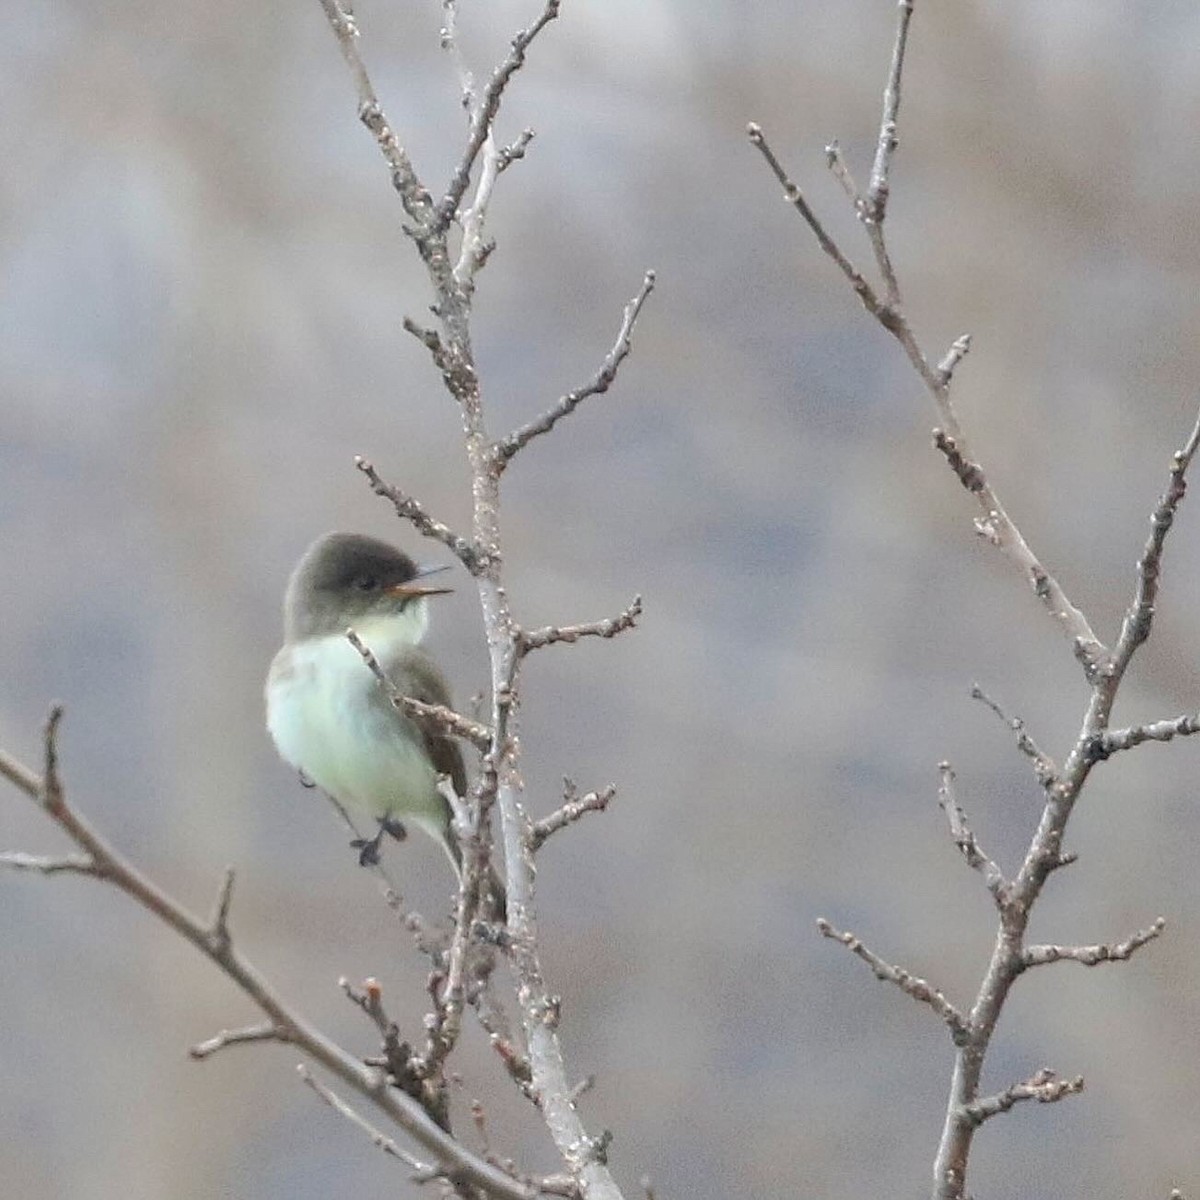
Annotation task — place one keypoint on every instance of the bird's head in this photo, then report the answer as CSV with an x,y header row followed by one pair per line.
x,y
348,579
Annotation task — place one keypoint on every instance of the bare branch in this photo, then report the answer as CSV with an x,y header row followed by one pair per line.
x,y
573,808
453,1159
466,80
500,782
564,1185
795,197
994,523
1044,1087
874,211
448,986
1091,956
1103,668
422,1172
970,474
265,1031
1043,765
959,349
840,169
515,149
413,195
964,839
430,340
68,864
476,247
437,716
411,510
908,983
403,1070
51,793
485,114
20,776
597,385
218,926
1105,744
1135,629
609,627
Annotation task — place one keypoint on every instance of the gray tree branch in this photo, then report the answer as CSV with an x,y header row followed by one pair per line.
x,y
1104,669
453,1160
500,785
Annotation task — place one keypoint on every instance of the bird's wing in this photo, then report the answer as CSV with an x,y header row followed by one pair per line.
x,y
426,683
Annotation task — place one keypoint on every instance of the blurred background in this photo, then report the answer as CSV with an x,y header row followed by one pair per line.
x,y
202,280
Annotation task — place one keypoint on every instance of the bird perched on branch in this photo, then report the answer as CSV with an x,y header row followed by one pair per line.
x,y
332,719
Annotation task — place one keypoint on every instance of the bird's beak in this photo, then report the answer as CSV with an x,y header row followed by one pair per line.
x,y
414,587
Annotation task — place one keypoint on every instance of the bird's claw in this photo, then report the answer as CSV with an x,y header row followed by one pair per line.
x,y
394,828
368,850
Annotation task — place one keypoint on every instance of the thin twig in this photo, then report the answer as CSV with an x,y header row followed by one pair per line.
x,y
454,1160
597,385
218,926
965,840
476,248
430,340
1116,740
19,775
835,160
69,864
436,716
50,790
265,1031
795,197
908,983
466,80
1135,628
573,808
1044,1087
485,114
1091,956
874,211
422,1172
514,150
412,511
415,197
1044,768
609,627
994,522
959,348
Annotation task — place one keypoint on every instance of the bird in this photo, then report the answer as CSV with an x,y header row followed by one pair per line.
x,y
330,717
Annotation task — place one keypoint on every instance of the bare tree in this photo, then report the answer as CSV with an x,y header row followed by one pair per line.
x,y
406,1085
1104,666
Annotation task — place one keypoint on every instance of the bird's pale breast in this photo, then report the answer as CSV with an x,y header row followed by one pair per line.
x,y
329,720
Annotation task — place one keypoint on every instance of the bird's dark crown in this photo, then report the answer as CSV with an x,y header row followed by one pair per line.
x,y
341,577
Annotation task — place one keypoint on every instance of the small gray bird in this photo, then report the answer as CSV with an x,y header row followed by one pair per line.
x,y
330,717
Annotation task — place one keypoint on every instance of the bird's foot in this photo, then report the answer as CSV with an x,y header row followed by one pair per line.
x,y
368,848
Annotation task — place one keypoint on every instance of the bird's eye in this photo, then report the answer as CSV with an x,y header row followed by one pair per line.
x,y
366,583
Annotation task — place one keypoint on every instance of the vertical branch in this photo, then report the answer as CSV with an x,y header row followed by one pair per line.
x,y
500,784
1104,669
